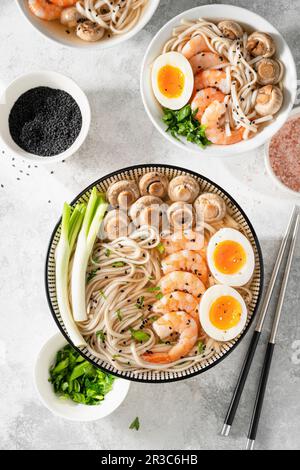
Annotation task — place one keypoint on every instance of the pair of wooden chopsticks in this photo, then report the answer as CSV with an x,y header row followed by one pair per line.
x,y
256,336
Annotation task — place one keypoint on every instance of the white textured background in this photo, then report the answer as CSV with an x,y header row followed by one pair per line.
x,y
186,415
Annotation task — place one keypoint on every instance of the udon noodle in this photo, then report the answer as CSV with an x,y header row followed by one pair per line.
x,y
242,79
116,16
121,289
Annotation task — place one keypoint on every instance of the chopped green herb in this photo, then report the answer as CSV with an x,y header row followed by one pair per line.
x,y
107,253
183,123
153,289
160,247
115,356
135,424
75,378
118,264
139,335
200,347
91,275
119,314
159,296
140,303
100,334
102,294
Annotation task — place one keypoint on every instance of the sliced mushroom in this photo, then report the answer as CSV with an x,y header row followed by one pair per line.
x,y
183,188
269,71
181,215
116,224
70,17
231,29
269,100
148,210
89,31
154,184
210,208
261,44
123,193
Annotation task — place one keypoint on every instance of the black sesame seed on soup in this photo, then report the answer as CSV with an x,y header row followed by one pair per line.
x,y
45,121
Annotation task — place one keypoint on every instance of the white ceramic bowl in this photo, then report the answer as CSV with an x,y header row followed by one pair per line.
x,y
48,79
57,33
67,408
216,13
277,181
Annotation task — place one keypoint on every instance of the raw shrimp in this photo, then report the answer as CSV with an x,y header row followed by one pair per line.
x,y
205,61
45,10
181,281
194,46
186,260
204,98
215,132
64,3
168,324
183,240
212,78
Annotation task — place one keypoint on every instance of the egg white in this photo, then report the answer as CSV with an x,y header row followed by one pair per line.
x,y
245,274
210,296
178,60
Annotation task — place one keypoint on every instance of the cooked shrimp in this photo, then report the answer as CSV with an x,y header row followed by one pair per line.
x,y
186,260
212,78
205,61
215,132
64,3
184,282
177,301
194,46
45,10
183,240
168,324
204,98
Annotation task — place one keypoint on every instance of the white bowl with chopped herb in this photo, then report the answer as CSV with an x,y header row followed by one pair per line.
x,y
71,387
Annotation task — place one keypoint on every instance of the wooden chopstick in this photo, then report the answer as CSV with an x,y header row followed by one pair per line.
x,y
270,348
257,333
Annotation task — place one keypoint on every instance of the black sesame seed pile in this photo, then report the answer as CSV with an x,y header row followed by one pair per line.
x,y
45,122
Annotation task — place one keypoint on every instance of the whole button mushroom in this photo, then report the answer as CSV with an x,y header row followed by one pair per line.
x,y
154,184
89,31
70,17
269,100
116,224
184,188
210,208
123,193
269,71
181,215
230,29
148,210
261,44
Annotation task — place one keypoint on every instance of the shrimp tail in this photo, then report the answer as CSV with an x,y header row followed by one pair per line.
x,y
157,358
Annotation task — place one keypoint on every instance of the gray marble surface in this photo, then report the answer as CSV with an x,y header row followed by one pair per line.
x,y
185,415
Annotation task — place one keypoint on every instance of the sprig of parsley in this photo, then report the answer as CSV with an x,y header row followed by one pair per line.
x,y
183,123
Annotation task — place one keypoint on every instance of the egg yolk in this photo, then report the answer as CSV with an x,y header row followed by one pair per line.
x,y
171,81
225,313
229,257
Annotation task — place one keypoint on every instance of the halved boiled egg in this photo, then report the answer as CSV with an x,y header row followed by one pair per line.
x,y
172,80
222,313
231,258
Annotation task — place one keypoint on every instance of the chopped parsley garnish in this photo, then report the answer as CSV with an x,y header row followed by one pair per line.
x,y
160,247
140,303
119,314
107,253
183,123
118,264
159,296
91,275
101,335
153,289
200,347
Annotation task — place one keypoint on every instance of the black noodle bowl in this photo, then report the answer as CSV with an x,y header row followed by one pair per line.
x,y
238,214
